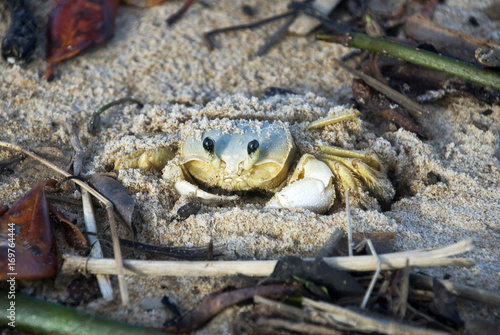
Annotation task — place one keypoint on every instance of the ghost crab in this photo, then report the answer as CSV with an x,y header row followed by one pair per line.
x,y
258,155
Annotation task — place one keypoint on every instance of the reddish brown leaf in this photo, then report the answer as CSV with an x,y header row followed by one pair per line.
x,y
217,302
3,209
27,245
74,237
76,24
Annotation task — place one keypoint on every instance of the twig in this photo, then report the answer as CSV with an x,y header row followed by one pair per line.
x,y
177,15
416,258
88,211
414,108
118,256
207,37
349,221
77,147
425,58
369,290
90,225
364,323
42,317
280,32
296,327
462,291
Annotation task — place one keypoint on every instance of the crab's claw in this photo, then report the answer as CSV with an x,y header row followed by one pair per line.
x,y
311,187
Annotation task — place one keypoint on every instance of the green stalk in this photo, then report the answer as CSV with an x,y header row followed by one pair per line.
x,y
43,317
425,58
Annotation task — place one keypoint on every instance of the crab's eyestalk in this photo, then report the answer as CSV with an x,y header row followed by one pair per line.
x,y
209,146
253,150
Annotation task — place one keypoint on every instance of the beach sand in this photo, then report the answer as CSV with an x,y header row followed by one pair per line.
x,y
447,187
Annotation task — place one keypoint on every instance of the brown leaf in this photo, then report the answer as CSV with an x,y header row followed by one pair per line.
x,y
74,237
3,209
76,24
216,302
27,245
112,189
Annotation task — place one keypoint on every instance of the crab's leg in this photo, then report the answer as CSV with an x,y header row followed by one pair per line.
x,y
311,187
145,159
350,169
368,156
186,188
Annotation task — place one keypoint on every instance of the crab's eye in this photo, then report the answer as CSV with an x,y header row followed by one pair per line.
x,y
252,146
253,150
209,145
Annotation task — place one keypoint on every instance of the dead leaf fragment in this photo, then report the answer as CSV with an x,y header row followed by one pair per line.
x,y
216,302
76,24
112,189
27,245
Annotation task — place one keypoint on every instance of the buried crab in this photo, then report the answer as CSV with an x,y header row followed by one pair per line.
x,y
257,155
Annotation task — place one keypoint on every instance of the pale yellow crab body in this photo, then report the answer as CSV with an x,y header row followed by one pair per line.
x,y
230,166
243,155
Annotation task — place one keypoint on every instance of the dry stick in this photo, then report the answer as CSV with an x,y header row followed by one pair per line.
x,y
461,291
88,211
365,323
74,264
75,142
414,108
431,320
435,257
207,37
375,275
118,256
425,58
281,30
90,225
349,221
297,327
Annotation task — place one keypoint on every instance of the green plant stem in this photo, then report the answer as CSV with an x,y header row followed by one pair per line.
x,y
425,58
42,317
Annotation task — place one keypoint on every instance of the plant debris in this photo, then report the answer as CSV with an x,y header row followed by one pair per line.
x,y
20,41
216,302
74,25
26,236
123,204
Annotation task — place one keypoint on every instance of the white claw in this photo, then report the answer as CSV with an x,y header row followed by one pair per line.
x,y
310,188
309,194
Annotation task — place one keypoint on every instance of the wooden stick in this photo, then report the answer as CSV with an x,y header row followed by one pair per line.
x,y
88,210
365,323
74,264
462,291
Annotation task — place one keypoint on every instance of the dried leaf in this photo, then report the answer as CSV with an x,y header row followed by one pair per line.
x,y
3,209
74,237
76,24
112,189
444,305
27,245
217,302
339,283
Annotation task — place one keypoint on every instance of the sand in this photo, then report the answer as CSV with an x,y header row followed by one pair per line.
x,y
183,85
